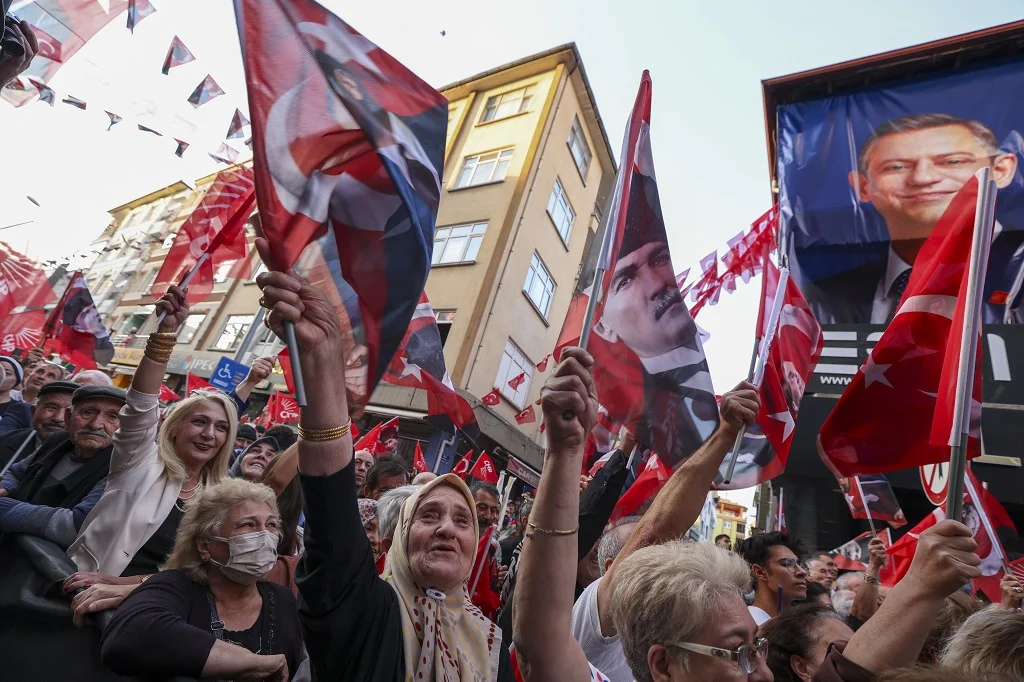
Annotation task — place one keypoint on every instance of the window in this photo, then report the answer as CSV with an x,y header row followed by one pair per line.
x,y
445,320
458,244
741,528
726,525
579,148
220,275
514,363
168,240
539,285
233,332
561,211
174,206
191,327
264,342
490,167
261,267
507,104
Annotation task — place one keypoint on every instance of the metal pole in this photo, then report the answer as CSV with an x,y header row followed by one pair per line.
x,y
981,245
251,334
867,509
762,358
14,457
293,356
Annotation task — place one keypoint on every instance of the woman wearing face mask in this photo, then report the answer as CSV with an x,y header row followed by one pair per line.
x,y
208,614
415,621
131,530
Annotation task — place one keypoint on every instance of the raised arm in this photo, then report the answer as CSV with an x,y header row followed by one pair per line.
x,y
865,603
319,340
259,371
944,562
150,374
679,503
547,566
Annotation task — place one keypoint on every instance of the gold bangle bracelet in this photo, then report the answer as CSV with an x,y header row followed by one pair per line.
x,y
546,531
158,357
323,435
164,336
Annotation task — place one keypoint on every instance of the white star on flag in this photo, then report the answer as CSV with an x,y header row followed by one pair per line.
x,y
874,372
787,419
411,368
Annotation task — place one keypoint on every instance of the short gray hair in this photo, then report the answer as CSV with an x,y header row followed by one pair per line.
x,y
388,507
613,540
842,602
843,581
666,593
94,374
988,642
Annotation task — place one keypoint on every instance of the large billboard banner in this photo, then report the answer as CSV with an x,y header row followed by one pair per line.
x,y
865,175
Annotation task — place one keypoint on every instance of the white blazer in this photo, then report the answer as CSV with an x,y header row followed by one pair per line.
x,y
138,497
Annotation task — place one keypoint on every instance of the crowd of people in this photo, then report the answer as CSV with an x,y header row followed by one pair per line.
x,y
217,551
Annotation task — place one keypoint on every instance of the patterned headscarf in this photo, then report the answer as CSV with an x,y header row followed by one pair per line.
x,y
449,638
367,510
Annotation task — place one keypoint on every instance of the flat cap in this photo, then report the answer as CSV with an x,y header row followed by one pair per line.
x,y
59,387
247,431
91,392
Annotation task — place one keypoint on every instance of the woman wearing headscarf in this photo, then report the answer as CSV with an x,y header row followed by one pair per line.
x,y
414,622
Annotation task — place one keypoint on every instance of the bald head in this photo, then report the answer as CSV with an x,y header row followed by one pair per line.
x,y
423,477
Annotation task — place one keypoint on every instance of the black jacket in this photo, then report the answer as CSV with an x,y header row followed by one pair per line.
x,y
35,488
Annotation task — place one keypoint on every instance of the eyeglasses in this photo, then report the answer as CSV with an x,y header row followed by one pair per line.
x,y
791,565
746,654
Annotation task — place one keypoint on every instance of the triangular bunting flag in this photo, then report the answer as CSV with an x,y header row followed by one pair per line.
x,y
204,92
114,119
238,121
177,54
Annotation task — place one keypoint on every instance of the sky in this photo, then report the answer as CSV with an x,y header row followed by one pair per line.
x,y
706,60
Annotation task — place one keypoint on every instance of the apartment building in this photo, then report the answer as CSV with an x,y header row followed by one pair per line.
x,y
731,520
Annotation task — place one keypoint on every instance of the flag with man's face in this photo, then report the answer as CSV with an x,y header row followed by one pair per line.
x,y
349,148
76,329
878,498
649,370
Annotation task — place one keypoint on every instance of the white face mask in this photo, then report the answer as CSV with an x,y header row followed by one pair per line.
x,y
250,556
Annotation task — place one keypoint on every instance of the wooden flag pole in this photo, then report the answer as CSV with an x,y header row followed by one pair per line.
x,y
867,509
981,245
762,359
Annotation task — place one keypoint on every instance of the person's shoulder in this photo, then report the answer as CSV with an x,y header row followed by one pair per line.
x,y
281,593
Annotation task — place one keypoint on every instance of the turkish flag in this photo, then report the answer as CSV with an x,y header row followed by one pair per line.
x,y
883,420
167,395
286,408
196,383
49,46
979,515
542,366
527,416
517,381
792,356
654,476
216,227
485,572
484,469
419,463
492,398
462,468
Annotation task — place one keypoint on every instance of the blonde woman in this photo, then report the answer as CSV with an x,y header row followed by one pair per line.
x,y
210,613
130,532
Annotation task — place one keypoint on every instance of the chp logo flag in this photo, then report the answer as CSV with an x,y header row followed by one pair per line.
x,y
348,147
484,469
791,360
285,410
70,24
419,463
22,282
22,330
76,329
649,369
216,227
854,555
884,419
419,363
167,395
878,498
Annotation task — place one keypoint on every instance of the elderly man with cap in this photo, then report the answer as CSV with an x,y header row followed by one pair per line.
x,y
14,414
47,419
51,495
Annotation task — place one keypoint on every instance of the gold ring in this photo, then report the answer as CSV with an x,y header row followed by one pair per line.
x,y
263,302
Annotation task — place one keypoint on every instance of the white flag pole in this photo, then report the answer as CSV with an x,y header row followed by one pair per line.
x,y
762,359
981,245
867,509
186,279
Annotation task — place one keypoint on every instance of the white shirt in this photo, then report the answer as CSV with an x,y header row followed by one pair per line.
x,y
760,615
604,653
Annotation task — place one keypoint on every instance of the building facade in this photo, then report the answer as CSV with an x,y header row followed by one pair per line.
x,y
731,520
528,170
703,529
